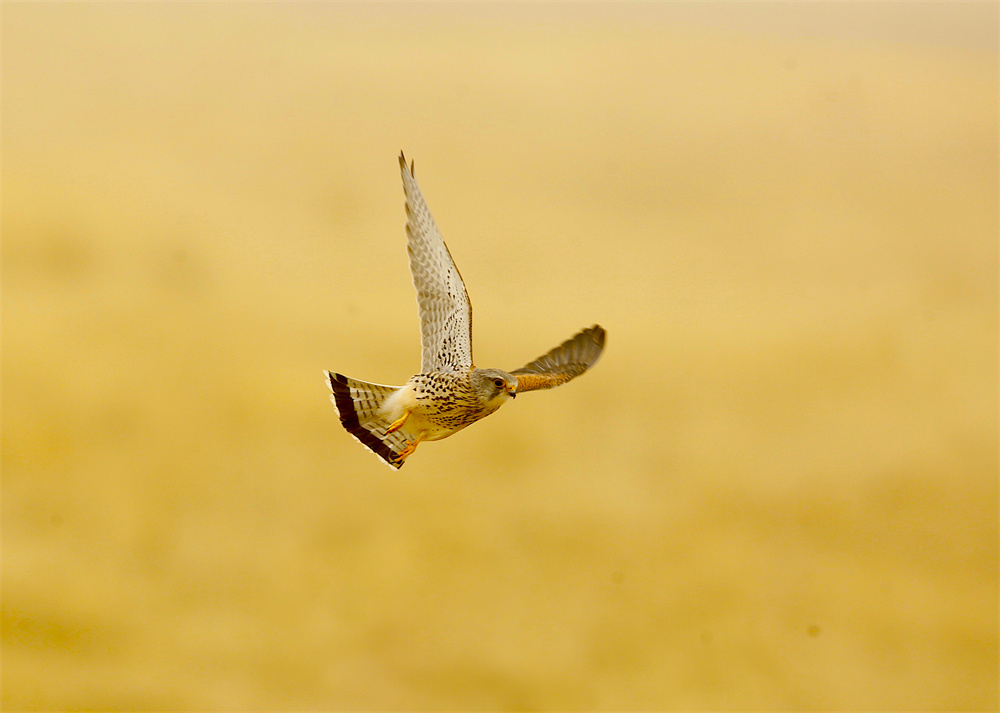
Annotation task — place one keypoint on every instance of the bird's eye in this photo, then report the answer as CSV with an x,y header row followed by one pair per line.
x,y
498,383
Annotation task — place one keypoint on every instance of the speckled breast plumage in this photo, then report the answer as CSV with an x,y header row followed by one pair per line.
x,y
448,400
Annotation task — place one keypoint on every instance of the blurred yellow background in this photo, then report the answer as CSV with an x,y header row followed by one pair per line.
x,y
777,490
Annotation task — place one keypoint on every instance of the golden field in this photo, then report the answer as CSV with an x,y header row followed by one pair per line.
x,y
776,491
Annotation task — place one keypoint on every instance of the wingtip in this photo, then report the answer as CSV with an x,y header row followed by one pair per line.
x,y
596,333
402,163
591,343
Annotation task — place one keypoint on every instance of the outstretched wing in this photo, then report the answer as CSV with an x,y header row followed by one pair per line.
x,y
445,310
565,362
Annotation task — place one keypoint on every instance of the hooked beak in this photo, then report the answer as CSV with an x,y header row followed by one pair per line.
x,y
512,394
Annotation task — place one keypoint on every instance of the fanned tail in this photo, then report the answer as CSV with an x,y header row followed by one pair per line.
x,y
358,404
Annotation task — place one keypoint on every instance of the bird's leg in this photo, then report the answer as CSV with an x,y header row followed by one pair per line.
x,y
409,448
398,423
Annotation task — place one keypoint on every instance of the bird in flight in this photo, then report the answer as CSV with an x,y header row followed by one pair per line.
x,y
450,392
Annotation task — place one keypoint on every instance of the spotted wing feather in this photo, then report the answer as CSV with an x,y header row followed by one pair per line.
x,y
565,362
445,310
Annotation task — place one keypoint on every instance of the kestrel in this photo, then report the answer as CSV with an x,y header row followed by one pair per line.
x,y
450,392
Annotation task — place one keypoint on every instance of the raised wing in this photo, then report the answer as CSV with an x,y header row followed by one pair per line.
x,y
565,362
445,310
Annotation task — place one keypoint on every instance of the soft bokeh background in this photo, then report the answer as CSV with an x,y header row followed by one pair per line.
x,y
777,490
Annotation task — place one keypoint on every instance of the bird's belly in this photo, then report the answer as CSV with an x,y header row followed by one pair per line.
x,y
435,406
438,425
418,424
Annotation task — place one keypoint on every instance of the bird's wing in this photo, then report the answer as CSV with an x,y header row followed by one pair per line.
x,y
565,362
445,310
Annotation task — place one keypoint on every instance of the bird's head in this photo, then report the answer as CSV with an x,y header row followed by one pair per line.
x,y
493,384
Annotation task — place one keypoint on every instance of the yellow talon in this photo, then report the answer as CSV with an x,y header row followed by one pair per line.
x,y
409,448
398,423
